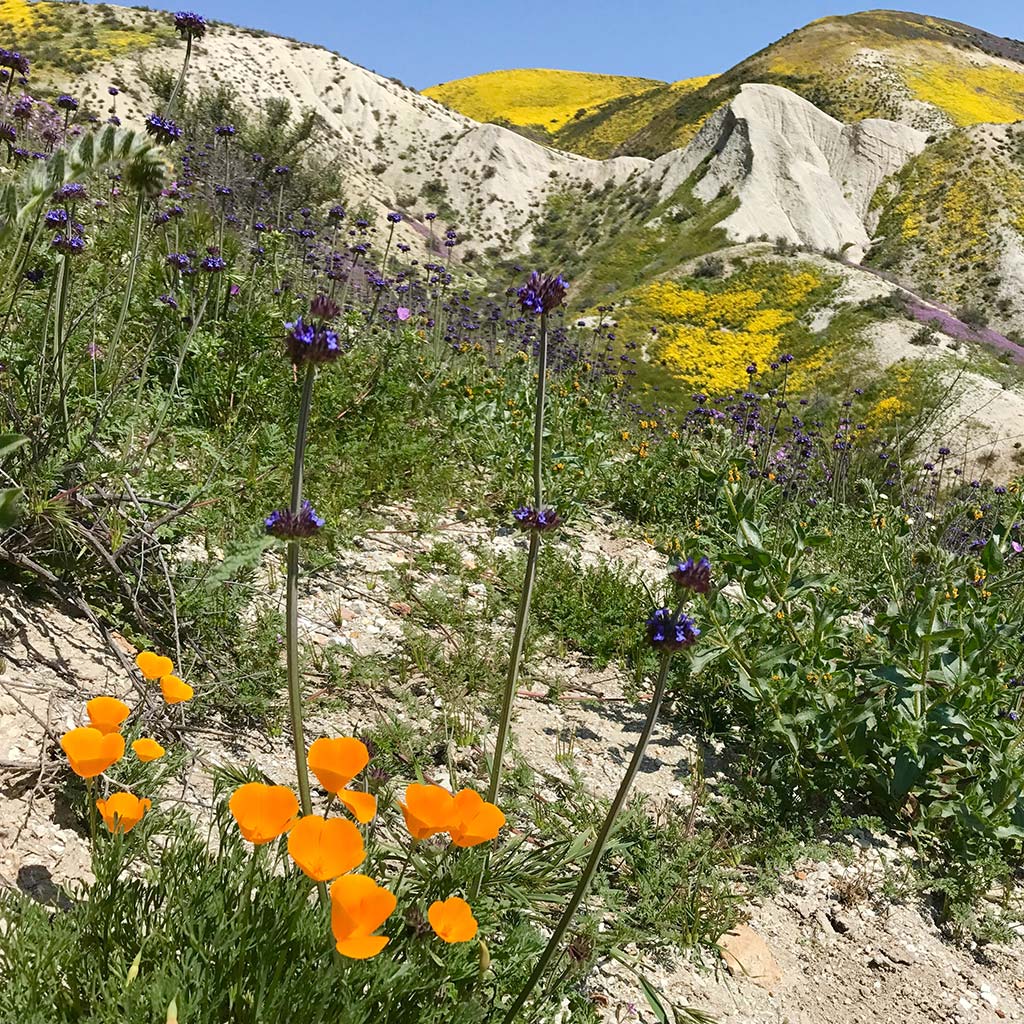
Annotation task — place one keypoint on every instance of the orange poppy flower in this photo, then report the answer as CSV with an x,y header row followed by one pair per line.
x,y
362,806
175,690
154,666
122,811
147,749
91,752
427,810
359,906
337,762
325,849
107,713
452,920
263,812
474,820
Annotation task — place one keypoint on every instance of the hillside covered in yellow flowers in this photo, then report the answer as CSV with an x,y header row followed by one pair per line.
x,y
928,72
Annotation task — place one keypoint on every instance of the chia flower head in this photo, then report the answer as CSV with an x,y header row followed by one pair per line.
x,y
225,131
542,294
213,265
291,525
68,244
691,575
68,103
189,25
113,90
169,300
394,218
431,216
15,61
540,520
56,218
336,213
313,340
671,631
8,133
163,129
280,170
70,192
179,260
22,109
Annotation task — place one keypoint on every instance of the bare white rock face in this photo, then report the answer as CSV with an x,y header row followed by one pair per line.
x,y
798,173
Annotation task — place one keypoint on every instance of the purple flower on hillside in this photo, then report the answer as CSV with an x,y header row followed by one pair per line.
x,y
15,61
114,120
8,133
669,631
67,244
163,129
691,575
169,300
291,525
335,214
68,103
431,216
22,109
69,192
225,131
213,265
281,170
179,260
35,276
540,520
56,218
113,90
394,218
402,313
190,25
542,294
312,340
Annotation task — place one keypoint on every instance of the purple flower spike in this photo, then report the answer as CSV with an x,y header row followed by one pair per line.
x,y
291,525
542,294
695,576
669,631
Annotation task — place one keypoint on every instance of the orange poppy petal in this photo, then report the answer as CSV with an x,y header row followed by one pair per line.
x,y
427,810
359,906
147,749
263,812
362,806
325,849
336,762
452,920
475,820
154,666
122,811
107,713
362,947
91,752
175,690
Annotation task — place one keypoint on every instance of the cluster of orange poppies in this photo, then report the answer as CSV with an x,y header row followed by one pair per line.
x,y
327,849
92,749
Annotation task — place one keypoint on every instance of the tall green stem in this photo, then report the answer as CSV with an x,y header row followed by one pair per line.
x,y
599,844
292,595
523,612
130,284
181,78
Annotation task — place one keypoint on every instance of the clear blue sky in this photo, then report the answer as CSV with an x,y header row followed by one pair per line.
x,y
423,42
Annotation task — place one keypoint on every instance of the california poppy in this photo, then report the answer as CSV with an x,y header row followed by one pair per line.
x,y
474,820
154,666
107,713
452,919
91,752
325,849
427,810
362,806
337,762
122,811
175,690
359,906
147,749
263,812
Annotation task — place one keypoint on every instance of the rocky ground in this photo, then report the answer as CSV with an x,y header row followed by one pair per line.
x,y
840,942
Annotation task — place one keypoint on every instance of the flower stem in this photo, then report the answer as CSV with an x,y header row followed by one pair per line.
x,y
292,592
599,844
523,612
181,78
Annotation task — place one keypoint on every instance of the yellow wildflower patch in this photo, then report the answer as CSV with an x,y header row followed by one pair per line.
x,y
535,96
990,94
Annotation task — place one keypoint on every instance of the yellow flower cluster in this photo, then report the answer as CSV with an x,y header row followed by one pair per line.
x,y
535,96
17,15
709,337
991,94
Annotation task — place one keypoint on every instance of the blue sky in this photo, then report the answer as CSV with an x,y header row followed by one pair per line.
x,y
424,42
